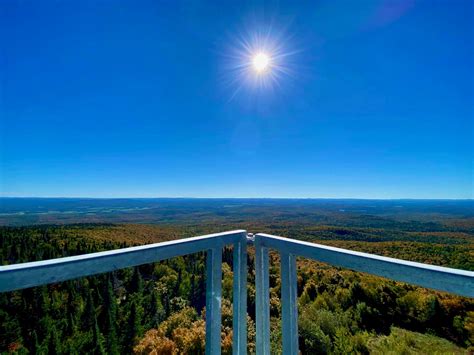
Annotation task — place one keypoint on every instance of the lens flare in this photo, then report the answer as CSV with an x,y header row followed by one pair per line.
x,y
258,61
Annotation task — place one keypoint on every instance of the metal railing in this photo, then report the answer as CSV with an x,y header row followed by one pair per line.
x,y
19,276
456,281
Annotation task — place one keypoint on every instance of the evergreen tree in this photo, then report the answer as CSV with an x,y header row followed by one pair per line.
x,y
54,345
134,327
136,283
89,316
97,340
36,344
110,330
94,342
71,324
154,311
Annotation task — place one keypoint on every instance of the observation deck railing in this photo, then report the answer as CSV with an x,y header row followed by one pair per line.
x,y
456,281
24,275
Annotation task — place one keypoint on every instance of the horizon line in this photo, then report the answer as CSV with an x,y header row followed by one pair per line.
x,y
240,198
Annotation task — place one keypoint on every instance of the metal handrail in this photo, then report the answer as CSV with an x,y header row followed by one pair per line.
x,y
456,281
19,276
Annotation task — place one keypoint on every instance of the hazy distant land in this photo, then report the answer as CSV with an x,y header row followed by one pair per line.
x,y
348,212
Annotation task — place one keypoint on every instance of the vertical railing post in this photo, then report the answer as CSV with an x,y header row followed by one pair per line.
x,y
289,303
262,298
213,300
239,321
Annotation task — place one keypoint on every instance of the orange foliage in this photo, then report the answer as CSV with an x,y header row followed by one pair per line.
x,y
154,343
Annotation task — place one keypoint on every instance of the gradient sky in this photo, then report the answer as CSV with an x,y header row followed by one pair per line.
x,y
127,98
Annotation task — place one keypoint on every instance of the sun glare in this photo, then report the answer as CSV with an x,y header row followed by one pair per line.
x,y
261,62
260,59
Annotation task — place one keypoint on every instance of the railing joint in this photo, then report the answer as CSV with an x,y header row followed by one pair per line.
x,y
250,239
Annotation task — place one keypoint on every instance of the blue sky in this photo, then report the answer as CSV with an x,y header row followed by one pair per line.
x,y
138,99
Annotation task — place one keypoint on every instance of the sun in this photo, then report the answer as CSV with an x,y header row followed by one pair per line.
x,y
260,59
261,62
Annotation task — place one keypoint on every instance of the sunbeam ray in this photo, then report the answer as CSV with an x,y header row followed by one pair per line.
x,y
259,60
